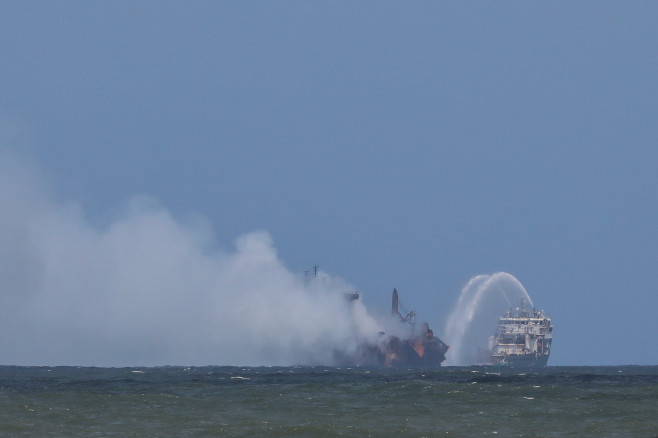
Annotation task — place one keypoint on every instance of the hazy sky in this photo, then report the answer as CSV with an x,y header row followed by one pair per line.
x,y
397,144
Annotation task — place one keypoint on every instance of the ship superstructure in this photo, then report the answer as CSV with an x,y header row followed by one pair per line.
x,y
416,350
522,339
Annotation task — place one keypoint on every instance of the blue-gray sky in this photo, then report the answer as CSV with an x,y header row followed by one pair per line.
x,y
396,144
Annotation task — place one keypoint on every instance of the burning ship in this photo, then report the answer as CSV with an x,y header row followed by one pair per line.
x,y
522,339
422,350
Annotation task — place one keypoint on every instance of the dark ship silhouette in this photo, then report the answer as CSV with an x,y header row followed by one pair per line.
x,y
418,350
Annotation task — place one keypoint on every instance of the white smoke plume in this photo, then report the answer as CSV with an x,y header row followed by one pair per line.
x,y
148,289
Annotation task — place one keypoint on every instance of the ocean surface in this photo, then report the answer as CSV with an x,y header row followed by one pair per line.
x,y
325,402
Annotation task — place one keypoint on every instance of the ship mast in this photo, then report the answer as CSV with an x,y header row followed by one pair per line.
x,y
409,317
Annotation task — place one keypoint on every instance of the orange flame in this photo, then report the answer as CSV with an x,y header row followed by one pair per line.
x,y
419,347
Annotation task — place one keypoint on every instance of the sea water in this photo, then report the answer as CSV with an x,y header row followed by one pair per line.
x,y
322,401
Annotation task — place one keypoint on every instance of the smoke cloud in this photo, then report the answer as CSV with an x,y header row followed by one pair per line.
x,y
148,289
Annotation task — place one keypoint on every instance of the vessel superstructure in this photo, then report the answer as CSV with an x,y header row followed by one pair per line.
x,y
522,338
414,350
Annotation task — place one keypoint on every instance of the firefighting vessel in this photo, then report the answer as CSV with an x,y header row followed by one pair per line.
x,y
522,339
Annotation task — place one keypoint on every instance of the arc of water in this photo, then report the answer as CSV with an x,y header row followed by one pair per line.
x,y
462,316
467,305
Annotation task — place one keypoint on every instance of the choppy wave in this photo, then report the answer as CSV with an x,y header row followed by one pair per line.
x,y
324,401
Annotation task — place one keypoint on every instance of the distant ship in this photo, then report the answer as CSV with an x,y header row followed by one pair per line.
x,y
418,350
522,339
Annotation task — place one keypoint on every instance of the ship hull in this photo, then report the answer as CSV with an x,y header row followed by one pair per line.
x,y
520,360
414,352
